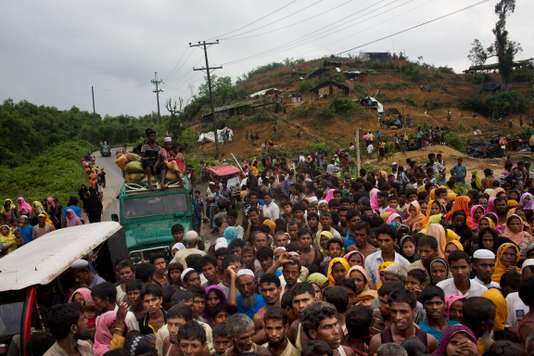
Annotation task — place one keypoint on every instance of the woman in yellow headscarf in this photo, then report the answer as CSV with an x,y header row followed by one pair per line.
x,y
8,241
364,294
452,245
433,208
415,216
337,270
505,260
322,240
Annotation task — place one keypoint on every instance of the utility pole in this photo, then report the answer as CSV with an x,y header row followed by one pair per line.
x,y
93,99
157,83
207,68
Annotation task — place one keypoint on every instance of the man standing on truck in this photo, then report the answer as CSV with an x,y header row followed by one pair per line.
x,y
150,153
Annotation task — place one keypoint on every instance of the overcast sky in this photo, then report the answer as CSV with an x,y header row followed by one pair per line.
x,y
51,52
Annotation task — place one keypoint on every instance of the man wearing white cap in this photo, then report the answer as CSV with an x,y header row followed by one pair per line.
x,y
191,240
166,154
516,308
247,300
483,264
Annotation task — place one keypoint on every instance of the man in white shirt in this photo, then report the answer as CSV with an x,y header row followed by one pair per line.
x,y
483,264
386,252
516,308
270,209
460,284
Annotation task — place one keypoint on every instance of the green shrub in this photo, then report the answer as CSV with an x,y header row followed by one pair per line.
x,y
501,104
56,171
341,106
456,142
359,89
523,76
505,103
307,85
410,100
393,86
321,147
326,114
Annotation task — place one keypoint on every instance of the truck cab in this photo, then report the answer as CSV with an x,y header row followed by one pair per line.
x,y
147,216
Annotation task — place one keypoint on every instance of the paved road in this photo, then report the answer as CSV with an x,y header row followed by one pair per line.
x,y
113,183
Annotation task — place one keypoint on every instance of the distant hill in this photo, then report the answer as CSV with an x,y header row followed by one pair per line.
x,y
302,105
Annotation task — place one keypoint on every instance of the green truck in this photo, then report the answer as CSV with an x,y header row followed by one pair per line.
x,y
147,216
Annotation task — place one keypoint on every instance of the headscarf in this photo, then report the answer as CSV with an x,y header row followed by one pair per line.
x,y
354,252
415,221
11,206
439,260
391,218
516,237
461,203
411,238
428,210
463,231
456,243
496,296
373,194
84,292
334,261
450,300
511,203
51,201
10,239
474,222
73,220
103,334
317,278
38,207
449,334
438,232
527,204
500,268
230,233
271,224
326,234
218,290
23,206
367,295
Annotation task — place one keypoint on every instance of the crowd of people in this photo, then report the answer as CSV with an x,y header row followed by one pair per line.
x,y
22,222
408,262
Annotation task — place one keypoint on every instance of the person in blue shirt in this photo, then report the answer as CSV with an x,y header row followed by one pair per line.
x,y
25,229
247,301
436,321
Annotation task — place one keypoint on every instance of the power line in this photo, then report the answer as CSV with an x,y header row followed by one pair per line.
x,y
291,24
275,21
413,27
306,37
186,51
256,20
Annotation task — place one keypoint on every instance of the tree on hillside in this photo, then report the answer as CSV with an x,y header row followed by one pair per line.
x,y
503,48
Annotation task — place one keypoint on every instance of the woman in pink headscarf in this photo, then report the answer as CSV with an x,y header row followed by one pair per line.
x,y
103,334
23,207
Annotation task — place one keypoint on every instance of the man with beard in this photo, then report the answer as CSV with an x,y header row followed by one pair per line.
x,y
241,330
247,301
68,327
303,297
275,320
319,322
402,310
270,290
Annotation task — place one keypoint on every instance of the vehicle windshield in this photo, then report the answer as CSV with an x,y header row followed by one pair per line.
x,y
159,205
